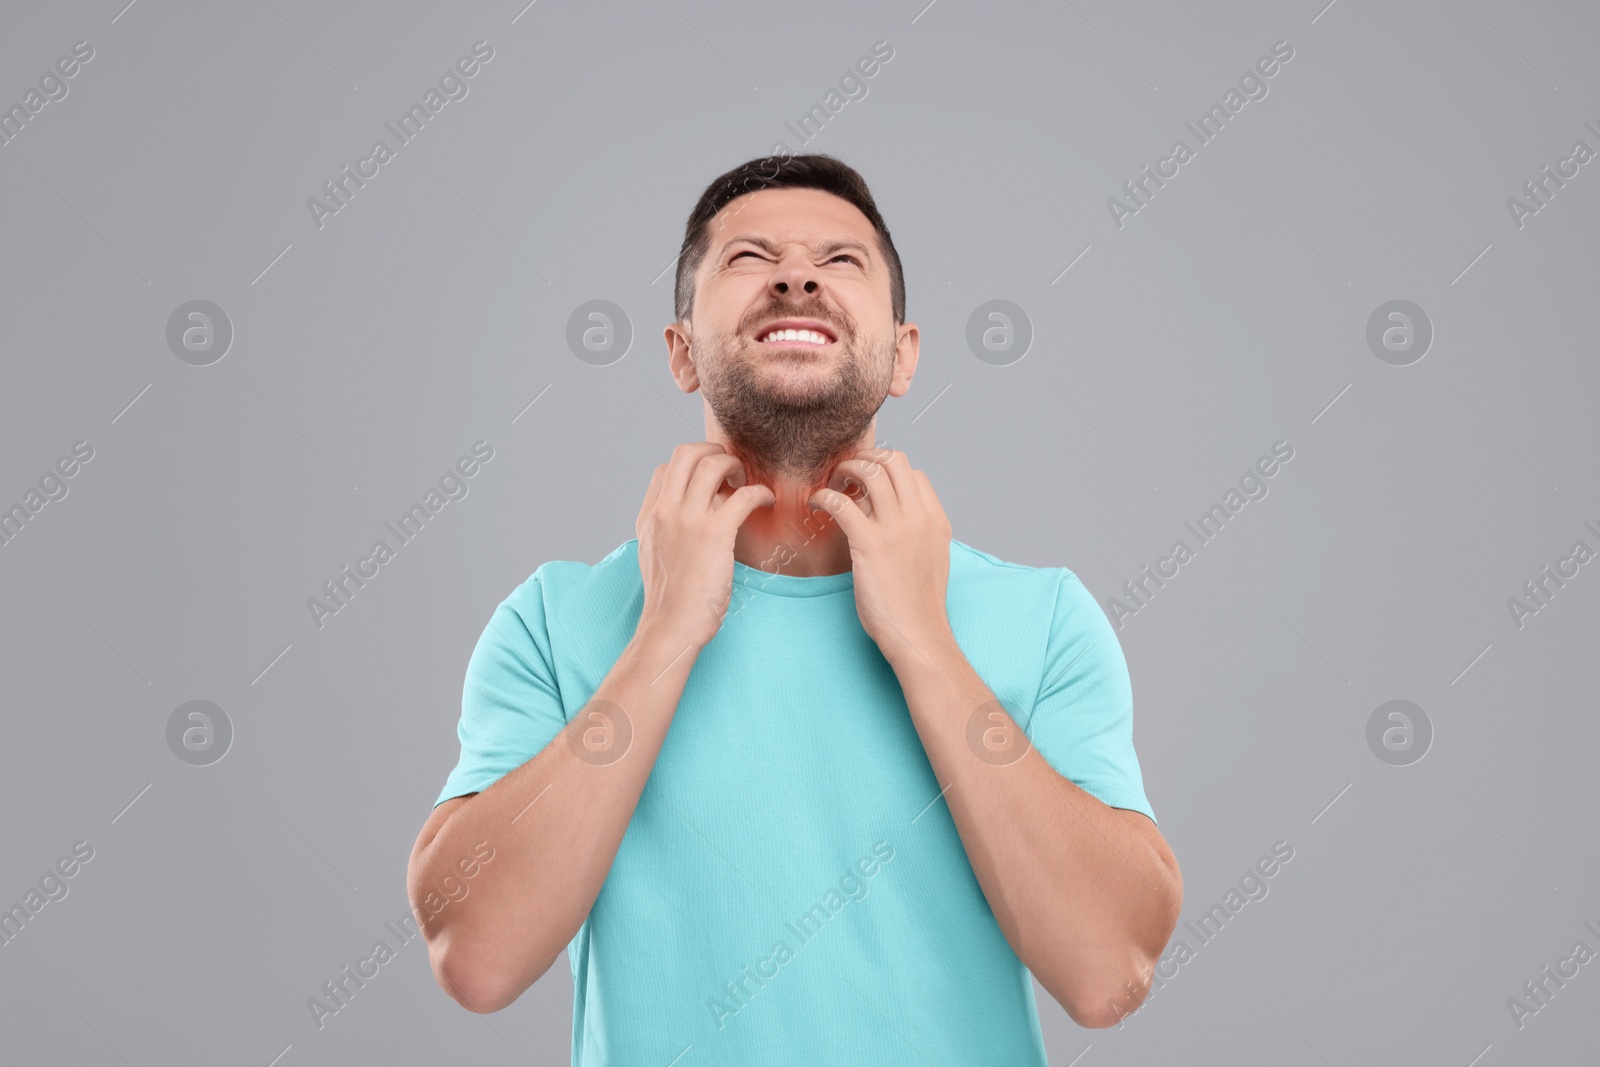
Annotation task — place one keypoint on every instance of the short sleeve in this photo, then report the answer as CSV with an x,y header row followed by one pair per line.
x,y
1082,719
510,704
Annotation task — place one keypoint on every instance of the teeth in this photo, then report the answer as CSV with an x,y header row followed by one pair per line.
x,y
796,335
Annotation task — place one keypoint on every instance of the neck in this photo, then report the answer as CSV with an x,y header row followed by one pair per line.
x,y
790,537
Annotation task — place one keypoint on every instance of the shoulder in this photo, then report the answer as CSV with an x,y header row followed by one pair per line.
x,y
979,569
558,584
1040,593
978,562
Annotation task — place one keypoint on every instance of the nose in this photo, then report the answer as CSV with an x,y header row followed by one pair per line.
x,y
795,273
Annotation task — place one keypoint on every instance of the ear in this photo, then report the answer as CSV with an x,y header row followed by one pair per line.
x,y
907,346
679,361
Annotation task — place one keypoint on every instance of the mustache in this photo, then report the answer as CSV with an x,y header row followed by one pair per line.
x,y
842,329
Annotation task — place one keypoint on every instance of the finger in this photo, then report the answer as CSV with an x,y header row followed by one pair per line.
x,y
742,501
850,518
901,475
651,494
709,475
930,499
682,464
865,482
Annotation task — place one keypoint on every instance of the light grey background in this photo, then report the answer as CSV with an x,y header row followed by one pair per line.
x,y
1228,314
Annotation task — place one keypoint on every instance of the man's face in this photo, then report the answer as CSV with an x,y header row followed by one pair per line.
x,y
806,260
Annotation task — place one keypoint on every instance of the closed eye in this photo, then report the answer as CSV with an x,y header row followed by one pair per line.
x,y
841,255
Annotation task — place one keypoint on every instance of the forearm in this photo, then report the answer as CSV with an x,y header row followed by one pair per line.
x,y
1086,903
555,824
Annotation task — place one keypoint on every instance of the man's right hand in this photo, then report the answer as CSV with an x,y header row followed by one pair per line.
x,y
691,514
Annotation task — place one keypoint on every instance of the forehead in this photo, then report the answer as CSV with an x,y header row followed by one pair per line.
x,y
789,215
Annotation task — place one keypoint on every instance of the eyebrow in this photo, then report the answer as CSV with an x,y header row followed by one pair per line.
x,y
820,249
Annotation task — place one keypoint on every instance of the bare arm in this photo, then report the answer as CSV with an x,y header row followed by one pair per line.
x,y
1086,894
555,823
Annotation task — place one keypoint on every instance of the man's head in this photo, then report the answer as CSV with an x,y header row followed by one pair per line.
x,y
791,241
780,172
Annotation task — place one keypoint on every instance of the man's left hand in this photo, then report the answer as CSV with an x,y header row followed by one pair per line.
x,y
899,549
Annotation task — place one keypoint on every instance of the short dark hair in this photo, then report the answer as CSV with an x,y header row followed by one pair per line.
x,y
775,172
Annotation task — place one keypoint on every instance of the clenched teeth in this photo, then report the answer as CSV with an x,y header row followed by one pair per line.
x,y
796,335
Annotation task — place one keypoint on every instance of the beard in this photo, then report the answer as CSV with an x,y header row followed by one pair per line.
x,y
782,417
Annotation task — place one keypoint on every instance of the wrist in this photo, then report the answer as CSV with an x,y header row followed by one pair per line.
x,y
662,639
916,647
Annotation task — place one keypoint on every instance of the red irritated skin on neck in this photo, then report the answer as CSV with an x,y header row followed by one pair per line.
x,y
790,537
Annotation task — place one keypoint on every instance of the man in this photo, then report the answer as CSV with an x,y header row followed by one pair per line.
x,y
795,777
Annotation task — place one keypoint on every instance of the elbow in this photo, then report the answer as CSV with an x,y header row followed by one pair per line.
x,y
1112,1005
469,984
474,982
1106,1006
1120,986
1116,986
1098,1020
1107,998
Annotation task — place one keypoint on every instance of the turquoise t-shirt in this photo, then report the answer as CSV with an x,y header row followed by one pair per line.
x,y
791,889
